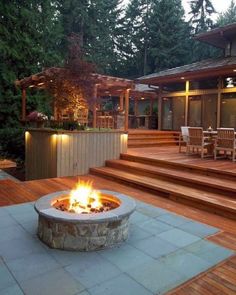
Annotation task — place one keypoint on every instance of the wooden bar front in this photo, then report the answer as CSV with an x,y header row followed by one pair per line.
x,y
53,153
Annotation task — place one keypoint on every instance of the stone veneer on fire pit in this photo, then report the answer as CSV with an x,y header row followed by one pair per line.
x,y
83,232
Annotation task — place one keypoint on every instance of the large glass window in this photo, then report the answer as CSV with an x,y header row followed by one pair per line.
x,y
203,111
209,112
173,113
228,110
195,111
204,84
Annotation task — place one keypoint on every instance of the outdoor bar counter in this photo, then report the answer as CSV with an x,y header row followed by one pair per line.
x,y
57,153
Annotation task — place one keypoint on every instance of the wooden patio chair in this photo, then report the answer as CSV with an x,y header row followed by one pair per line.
x,y
225,142
183,137
198,141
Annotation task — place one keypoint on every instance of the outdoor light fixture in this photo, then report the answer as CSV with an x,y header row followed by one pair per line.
x,y
230,82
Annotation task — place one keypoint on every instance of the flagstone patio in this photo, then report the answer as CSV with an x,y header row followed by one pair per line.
x,y
163,251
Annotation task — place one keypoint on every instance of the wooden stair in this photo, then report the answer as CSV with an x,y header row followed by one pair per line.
x,y
148,138
194,187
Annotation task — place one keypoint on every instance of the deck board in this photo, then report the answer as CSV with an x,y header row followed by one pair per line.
x,y
218,280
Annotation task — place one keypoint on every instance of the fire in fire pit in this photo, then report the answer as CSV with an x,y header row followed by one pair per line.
x,y
84,219
84,200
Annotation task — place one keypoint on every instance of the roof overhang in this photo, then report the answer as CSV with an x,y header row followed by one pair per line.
x,y
189,75
219,37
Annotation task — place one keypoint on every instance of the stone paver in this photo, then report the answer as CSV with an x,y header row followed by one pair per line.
x,y
162,251
178,237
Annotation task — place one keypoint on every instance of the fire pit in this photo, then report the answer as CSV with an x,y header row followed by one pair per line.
x,y
84,219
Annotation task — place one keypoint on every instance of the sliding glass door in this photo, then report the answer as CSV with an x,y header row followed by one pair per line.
x,y
173,113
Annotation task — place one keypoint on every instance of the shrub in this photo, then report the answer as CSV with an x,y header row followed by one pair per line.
x,y
12,143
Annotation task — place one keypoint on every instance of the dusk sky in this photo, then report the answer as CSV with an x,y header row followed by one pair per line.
x,y
220,5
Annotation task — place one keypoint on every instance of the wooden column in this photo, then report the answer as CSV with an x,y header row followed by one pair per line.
x,y
127,109
23,104
95,91
122,101
219,102
186,102
160,109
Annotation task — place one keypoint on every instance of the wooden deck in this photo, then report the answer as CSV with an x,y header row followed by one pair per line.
x,y
219,280
171,154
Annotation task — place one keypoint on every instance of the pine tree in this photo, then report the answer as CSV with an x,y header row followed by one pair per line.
x,y
201,11
229,16
26,46
169,35
136,37
201,21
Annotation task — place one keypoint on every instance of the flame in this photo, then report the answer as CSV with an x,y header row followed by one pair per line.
x,y
84,198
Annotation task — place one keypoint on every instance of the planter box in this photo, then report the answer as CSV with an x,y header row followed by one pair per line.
x,y
58,153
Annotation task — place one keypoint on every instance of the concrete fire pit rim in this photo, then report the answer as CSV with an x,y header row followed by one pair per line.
x,y
43,207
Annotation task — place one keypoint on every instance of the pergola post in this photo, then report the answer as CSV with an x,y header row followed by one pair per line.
x,y
23,104
127,109
121,101
95,91
186,102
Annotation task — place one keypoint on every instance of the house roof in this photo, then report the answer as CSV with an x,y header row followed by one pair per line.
x,y
201,69
218,37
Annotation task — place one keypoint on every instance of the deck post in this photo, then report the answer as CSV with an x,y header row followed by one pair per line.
x,y
95,91
186,102
122,101
127,91
160,108
23,104
219,102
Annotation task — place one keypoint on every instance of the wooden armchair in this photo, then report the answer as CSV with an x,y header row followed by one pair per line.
x,y
183,137
225,142
198,141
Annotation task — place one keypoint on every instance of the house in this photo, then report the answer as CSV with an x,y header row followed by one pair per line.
x,y
202,93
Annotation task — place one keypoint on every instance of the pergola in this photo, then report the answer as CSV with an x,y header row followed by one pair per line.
x,y
102,86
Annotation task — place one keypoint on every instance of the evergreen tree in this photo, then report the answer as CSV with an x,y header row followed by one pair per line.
x,y
201,21
135,38
169,35
201,11
28,37
97,23
229,16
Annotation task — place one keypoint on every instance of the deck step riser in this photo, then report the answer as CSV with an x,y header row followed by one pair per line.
x,y
210,187
179,166
207,206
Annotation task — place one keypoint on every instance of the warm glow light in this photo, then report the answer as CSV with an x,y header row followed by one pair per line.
x,y
234,70
84,198
63,136
41,83
27,135
182,78
142,98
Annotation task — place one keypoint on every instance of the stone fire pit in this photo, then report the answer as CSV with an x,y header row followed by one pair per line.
x,y
83,232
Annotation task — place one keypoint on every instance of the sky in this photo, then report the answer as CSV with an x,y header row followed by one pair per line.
x,y
220,5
